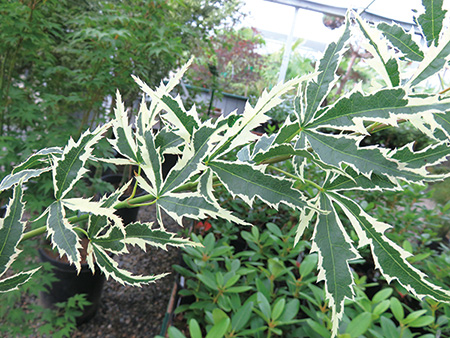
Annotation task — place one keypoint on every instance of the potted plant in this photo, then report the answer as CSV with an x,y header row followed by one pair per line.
x,y
226,152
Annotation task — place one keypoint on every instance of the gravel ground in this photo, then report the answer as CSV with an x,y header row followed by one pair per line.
x,y
134,312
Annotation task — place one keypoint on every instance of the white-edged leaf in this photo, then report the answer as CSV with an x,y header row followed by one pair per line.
x,y
248,182
24,175
401,40
94,208
111,269
43,156
385,106
68,169
124,142
319,87
142,234
190,205
431,21
389,258
337,150
112,241
205,188
151,160
434,60
13,282
62,235
241,131
384,61
335,251
11,229
147,117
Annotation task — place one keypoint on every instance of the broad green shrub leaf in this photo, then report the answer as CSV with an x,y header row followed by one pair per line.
x,y
359,325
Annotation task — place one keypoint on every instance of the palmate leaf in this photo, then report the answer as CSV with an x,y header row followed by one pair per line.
x,y
335,251
111,269
318,89
248,182
384,61
11,229
13,282
389,258
431,21
337,150
401,40
385,106
68,169
62,235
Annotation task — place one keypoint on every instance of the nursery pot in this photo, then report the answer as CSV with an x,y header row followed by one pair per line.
x,y
71,283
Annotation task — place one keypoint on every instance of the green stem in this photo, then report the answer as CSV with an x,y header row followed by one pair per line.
x,y
315,185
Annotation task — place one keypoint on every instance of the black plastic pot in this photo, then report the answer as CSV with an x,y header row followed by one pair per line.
x,y
70,283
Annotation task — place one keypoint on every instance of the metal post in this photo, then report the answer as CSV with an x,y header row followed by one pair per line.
x,y
287,50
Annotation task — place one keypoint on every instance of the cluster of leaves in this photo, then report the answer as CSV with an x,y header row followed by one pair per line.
x,y
328,136
266,287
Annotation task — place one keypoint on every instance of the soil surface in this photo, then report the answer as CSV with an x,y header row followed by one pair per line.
x,y
134,312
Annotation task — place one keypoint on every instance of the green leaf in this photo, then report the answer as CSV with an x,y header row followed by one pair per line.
x,y
194,329
240,319
397,309
68,169
359,325
219,329
112,241
401,40
388,256
62,235
320,329
264,306
308,264
318,89
422,321
382,295
11,229
335,251
290,310
13,282
431,21
111,269
248,182
278,309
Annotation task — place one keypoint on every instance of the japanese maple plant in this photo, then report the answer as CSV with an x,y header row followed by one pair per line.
x,y
226,152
